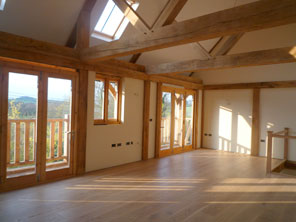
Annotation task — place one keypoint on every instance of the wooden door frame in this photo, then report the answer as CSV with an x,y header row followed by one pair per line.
x,y
39,176
67,171
184,148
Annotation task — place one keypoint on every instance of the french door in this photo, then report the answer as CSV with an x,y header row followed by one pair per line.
x,y
177,120
37,127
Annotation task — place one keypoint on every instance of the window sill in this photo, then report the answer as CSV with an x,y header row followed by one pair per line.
x,y
109,122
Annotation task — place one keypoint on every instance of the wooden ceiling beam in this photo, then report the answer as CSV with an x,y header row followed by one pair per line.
x,y
22,49
166,17
256,58
256,85
250,17
27,49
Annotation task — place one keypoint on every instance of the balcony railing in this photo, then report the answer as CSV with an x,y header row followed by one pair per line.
x,y
166,131
22,143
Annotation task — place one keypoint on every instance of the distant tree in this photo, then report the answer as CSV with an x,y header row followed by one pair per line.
x,y
14,110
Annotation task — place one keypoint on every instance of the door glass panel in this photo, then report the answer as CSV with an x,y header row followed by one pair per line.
x,y
166,121
99,99
113,100
179,107
58,132
189,120
22,122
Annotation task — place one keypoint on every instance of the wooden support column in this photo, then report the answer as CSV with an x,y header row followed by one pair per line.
x,y
195,124
286,144
3,125
83,35
81,122
202,119
146,117
158,119
255,141
269,152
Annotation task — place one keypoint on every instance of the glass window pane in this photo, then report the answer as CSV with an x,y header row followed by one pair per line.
x,y
166,120
189,119
105,15
58,137
113,100
22,120
178,134
113,22
99,99
121,29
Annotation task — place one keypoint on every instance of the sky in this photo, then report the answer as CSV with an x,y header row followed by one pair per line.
x,y
27,85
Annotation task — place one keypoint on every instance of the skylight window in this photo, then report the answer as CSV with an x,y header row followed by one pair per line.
x,y
112,22
2,4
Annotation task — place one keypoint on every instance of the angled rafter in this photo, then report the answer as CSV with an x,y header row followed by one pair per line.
x,y
263,57
169,14
167,17
132,16
225,44
87,7
250,17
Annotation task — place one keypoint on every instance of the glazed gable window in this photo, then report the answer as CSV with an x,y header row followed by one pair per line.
x,y
112,22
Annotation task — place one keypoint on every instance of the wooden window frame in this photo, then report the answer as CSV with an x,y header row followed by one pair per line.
x,y
106,120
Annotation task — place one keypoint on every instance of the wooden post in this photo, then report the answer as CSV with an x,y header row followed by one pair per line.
x,y
269,151
146,116
40,128
17,142
158,119
172,131
3,125
195,120
82,122
83,35
60,139
52,139
202,119
255,123
8,141
27,141
286,144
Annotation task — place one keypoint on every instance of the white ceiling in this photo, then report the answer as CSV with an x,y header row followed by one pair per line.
x,y
47,20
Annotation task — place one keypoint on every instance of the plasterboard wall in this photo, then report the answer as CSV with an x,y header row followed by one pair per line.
x,y
227,120
278,108
99,153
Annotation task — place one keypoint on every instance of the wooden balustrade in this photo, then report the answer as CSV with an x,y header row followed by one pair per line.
x,y
22,138
270,136
166,131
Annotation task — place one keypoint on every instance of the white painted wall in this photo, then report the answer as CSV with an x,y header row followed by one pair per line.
x,y
99,153
228,119
278,109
